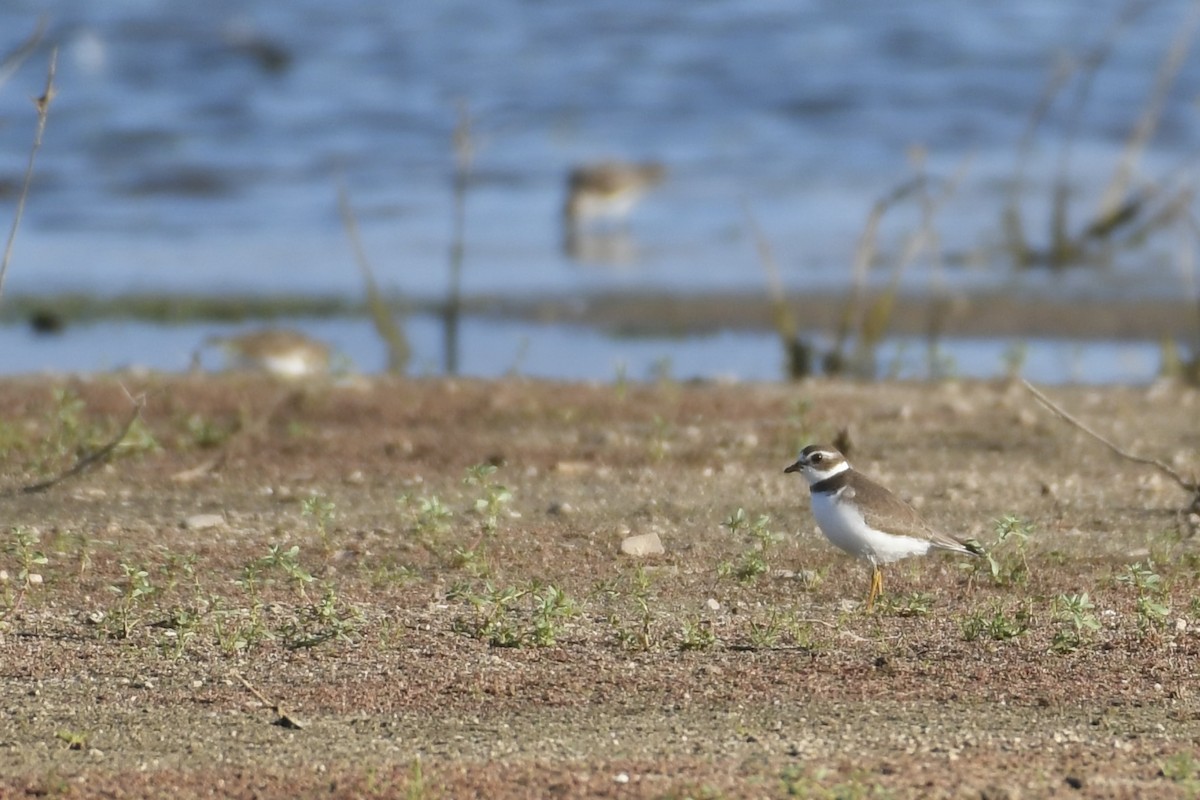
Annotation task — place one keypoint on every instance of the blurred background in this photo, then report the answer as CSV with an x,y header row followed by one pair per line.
x,y
889,189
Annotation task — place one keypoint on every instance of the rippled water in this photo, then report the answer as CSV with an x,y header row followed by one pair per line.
x,y
490,348
199,147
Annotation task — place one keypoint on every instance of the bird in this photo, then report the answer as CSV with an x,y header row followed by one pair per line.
x,y
607,189
276,351
865,519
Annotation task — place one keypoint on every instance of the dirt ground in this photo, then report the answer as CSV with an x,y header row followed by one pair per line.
x,y
446,630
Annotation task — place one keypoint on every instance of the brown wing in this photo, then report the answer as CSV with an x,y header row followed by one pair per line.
x,y
889,513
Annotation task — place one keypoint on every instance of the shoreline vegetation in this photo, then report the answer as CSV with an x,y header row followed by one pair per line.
x,y
982,314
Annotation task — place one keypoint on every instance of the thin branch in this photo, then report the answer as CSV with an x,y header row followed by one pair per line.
x,y
89,461
1168,71
285,719
14,58
43,110
385,324
1188,486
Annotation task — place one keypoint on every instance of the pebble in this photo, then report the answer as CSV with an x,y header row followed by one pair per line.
x,y
202,522
713,604
643,544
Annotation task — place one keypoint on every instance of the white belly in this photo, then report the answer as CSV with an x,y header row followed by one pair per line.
x,y
844,527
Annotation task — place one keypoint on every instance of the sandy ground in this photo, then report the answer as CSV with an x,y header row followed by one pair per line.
x,y
441,637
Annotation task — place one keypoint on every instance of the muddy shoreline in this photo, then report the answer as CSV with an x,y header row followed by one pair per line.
x,y
955,314
446,630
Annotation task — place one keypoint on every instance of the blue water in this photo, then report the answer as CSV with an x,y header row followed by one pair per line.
x,y
199,146
490,349
178,156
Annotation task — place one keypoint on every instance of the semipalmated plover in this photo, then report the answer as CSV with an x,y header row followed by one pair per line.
x,y
607,189
278,352
863,518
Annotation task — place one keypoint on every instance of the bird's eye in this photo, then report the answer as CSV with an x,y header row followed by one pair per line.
x,y
816,458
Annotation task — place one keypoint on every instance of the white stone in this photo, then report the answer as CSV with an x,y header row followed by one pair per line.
x,y
643,544
201,522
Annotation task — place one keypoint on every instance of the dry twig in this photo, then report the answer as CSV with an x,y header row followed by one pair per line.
x,y
399,351
1193,487
85,462
43,111
284,719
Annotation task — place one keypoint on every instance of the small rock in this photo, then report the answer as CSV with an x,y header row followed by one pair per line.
x,y
1074,781
1181,625
713,604
622,777
202,522
34,579
643,544
563,509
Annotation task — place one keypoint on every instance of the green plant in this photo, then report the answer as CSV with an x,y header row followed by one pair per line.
x,y
636,587
1152,611
132,593
697,634
206,433
495,496
76,740
998,625
659,441
416,781
1142,577
1006,560
321,511
552,607
765,634
429,514
22,548
328,619
1182,768
514,616
288,562
752,562
137,440
1077,623
916,604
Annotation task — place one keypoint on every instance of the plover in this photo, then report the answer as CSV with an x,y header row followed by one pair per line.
x,y
278,352
863,518
608,189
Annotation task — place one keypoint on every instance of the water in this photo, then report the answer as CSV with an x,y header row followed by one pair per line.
x,y
199,147
491,348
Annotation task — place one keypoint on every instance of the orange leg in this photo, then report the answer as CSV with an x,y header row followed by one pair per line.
x,y
876,586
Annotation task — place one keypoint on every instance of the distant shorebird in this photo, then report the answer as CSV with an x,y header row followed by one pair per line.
x,y
278,352
863,518
608,190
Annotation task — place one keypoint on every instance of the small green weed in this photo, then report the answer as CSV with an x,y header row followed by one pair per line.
x,y
515,616
22,549
752,563
1077,623
1006,561
916,604
321,512
998,625
133,591
495,499
697,634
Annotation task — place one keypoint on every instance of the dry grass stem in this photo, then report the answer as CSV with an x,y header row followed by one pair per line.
x,y
86,462
43,111
398,348
1192,486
